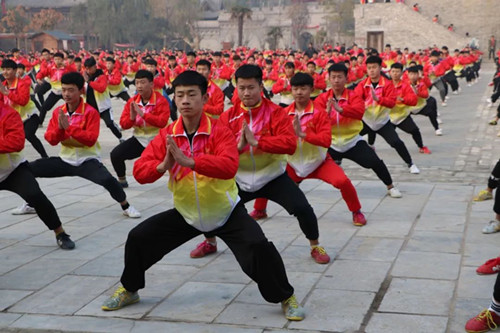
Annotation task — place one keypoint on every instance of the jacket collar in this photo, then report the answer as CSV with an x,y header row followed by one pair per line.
x,y
204,128
242,106
152,100
79,110
308,110
381,81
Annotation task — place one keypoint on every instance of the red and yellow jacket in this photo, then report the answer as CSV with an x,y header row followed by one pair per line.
x,y
54,74
422,94
284,88
275,135
311,151
129,70
79,141
19,98
401,110
115,82
215,104
207,194
377,113
345,126
156,113
319,85
220,75
11,141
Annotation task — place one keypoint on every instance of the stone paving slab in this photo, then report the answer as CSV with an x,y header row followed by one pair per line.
x,y
410,269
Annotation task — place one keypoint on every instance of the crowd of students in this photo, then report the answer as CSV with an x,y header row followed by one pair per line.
x,y
218,158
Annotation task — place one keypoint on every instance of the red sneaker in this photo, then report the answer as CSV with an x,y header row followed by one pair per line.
x,y
485,321
319,255
258,214
358,219
424,150
491,266
203,249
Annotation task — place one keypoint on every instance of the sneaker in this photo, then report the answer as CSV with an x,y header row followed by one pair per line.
x,y
444,104
23,209
64,241
203,249
372,147
485,321
498,134
319,255
492,122
394,193
414,170
492,227
358,219
424,150
447,98
123,183
469,85
292,309
132,212
439,132
455,92
439,121
483,195
258,214
120,298
121,140
491,266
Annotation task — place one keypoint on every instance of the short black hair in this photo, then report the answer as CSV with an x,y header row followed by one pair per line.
x,y
150,61
204,62
435,53
289,64
73,78
191,53
144,74
110,59
45,50
89,62
337,68
217,54
249,72
59,55
302,79
9,63
269,62
21,66
14,50
236,57
397,65
171,57
374,60
191,78
311,63
412,69
78,59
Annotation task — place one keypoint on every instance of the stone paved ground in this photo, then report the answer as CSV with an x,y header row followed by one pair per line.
x,y
411,269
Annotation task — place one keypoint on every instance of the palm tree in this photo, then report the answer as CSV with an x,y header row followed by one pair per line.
x,y
240,13
274,34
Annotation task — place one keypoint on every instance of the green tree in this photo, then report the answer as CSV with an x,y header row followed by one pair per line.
x,y
274,34
240,13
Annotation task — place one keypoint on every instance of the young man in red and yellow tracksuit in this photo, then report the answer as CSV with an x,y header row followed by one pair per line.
x,y
380,97
16,93
201,157
16,176
265,136
75,125
147,112
215,103
345,109
283,87
310,161
116,86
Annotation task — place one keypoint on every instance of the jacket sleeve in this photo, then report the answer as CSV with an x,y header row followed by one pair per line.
x,y
125,121
11,133
223,162
54,134
409,96
115,78
422,91
319,82
360,90
320,101
100,84
282,140
355,108
86,136
278,87
159,116
225,73
145,167
388,98
216,104
44,71
21,95
319,134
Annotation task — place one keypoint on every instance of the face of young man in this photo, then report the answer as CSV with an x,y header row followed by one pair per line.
x,y
289,71
189,101
91,70
337,80
311,69
20,72
413,77
151,68
301,94
9,73
70,93
396,74
249,91
203,70
110,66
373,71
58,61
143,86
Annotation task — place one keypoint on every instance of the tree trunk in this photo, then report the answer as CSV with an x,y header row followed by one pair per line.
x,y
240,30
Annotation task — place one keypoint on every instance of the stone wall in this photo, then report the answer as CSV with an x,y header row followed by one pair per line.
x,y
402,27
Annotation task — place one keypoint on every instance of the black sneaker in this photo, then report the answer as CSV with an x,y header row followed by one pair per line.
x,y
65,242
124,184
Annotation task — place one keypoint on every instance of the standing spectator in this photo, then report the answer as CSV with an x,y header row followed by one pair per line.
x,y
450,27
492,45
435,19
415,7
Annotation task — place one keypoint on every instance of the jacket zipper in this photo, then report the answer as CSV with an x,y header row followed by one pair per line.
x,y
195,184
251,148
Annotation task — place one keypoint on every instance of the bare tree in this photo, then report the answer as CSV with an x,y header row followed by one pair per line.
x,y
299,15
240,13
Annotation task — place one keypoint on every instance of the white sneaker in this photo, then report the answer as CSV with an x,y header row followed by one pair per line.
x,y
447,98
414,170
439,120
444,104
489,101
394,193
492,227
439,132
132,212
469,85
24,209
455,92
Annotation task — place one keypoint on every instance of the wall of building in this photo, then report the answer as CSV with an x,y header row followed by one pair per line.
x,y
402,27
